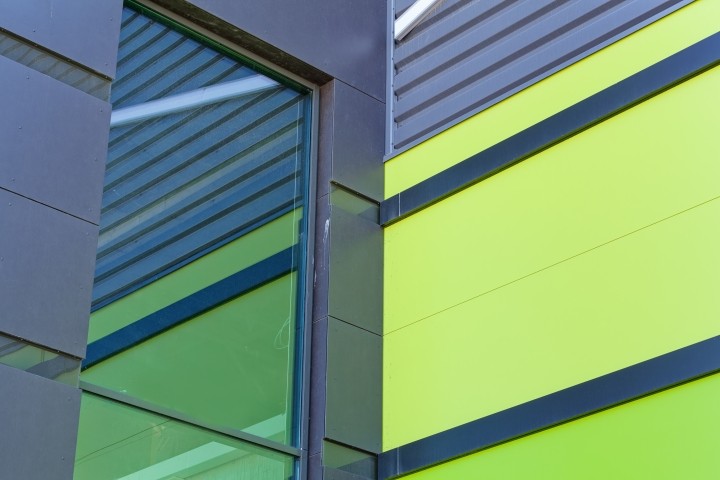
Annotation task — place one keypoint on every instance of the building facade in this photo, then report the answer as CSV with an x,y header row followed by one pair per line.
x,y
285,239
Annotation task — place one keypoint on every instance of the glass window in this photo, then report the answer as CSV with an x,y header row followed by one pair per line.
x,y
120,442
197,301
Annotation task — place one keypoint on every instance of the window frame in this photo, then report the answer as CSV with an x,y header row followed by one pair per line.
x,y
298,448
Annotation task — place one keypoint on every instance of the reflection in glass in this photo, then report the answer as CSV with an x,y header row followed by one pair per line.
x,y
196,295
19,354
117,441
231,366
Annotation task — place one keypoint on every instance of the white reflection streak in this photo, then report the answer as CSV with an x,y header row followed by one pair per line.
x,y
412,16
193,99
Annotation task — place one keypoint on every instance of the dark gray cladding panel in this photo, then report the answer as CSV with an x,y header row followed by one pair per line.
x,y
354,139
46,271
39,420
85,31
470,54
343,38
354,386
356,272
54,141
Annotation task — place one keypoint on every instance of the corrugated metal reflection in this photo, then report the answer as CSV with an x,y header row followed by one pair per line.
x,y
178,184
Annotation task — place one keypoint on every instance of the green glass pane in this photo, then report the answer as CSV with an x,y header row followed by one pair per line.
x,y
231,366
119,442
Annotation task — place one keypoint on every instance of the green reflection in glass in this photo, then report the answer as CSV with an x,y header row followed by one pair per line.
x,y
117,441
231,366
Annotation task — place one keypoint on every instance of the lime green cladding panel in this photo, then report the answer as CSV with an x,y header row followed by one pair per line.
x,y
667,436
561,90
633,299
624,174
596,254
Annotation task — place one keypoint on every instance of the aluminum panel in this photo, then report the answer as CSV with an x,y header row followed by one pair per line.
x,y
54,141
469,55
354,388
53,66
359,138
46,274
356,273
85,31
39,422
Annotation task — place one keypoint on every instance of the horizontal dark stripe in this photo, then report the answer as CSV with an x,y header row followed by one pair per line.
x,y
191,306
611,101
628,384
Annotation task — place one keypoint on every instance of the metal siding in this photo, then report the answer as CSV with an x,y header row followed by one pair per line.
x,y
46,263
358,138
401,6
54,66
84,31
356,270
469,54
54,141
39,426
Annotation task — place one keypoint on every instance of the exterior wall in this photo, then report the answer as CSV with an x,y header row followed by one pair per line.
x,y
468,55
55,91
341,48
56,64
668,435
529,283
339,440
